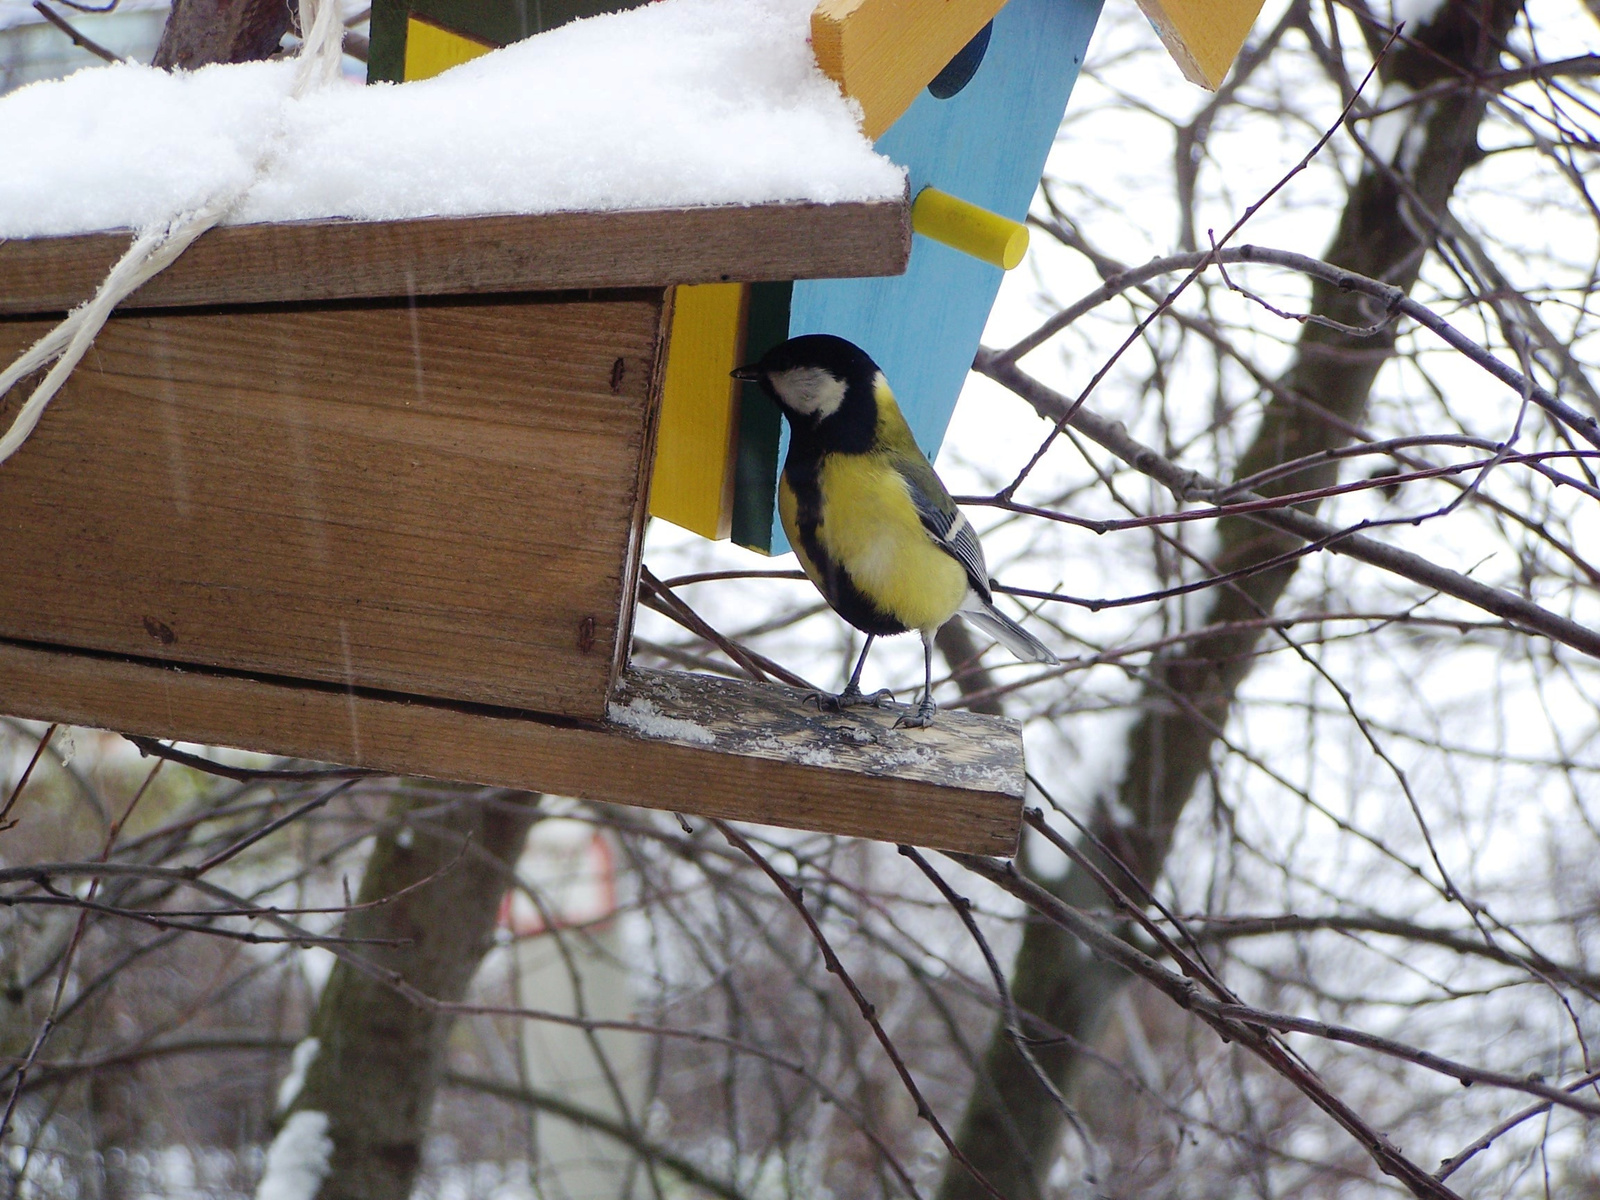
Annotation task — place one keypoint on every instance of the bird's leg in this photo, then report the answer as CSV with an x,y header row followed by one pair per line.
x,y
852,690
852,696
923,717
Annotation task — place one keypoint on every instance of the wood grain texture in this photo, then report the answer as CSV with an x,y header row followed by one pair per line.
x,y
882,53
743,751
441,499
325,260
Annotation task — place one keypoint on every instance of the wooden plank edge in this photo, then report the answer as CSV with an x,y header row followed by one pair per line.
x,y
438,256
1177,48
410,736
633,556
1203,39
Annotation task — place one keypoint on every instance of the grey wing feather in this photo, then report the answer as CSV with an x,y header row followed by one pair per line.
x,y
949,527
1007,632
953,532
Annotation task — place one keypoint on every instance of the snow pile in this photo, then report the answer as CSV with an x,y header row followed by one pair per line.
x,y
677,103
298,1159
305,1053
643,716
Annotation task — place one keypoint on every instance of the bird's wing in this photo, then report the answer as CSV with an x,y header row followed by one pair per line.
x,y
945,523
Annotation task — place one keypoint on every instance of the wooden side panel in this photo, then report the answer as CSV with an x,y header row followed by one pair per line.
x,y
693,482
721,748
439,256
1203,36
881,53
435,499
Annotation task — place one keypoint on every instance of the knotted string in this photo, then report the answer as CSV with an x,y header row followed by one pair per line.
x,y
157,247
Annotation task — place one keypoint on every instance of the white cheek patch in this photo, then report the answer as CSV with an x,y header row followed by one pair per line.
x,y
809,390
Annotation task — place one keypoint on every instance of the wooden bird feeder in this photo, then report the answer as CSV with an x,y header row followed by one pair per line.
x,y
388,512
374,493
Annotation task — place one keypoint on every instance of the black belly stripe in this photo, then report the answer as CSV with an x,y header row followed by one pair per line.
x,y
838,589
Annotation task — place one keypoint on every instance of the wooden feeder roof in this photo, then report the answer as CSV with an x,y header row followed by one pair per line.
x,y
451,256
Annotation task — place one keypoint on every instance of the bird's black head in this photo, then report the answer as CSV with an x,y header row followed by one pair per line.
x,y
819,380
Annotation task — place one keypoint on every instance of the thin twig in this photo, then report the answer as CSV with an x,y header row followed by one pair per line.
x,y
150,746
1186,484
1458,1160
1210,257
659,596
1186,994
1013,1022
868,1011
49,1022
271,827
78,38
22,781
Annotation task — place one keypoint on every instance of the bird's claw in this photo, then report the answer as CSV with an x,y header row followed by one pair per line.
x,y
851,697
920,719
856,698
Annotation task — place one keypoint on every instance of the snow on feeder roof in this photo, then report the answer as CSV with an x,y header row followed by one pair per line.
x,y
687,102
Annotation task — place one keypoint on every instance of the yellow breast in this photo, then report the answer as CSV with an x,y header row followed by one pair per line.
x,y
871,528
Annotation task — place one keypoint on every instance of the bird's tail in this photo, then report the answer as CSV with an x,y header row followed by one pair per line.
x,y
978,611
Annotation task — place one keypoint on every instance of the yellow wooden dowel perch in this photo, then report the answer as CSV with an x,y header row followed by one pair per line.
x,y
966,227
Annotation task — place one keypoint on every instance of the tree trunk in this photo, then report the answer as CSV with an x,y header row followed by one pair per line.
x,y
1011,1128
380,1056
199,32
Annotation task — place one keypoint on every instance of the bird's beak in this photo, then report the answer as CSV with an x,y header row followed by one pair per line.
x,y
750,374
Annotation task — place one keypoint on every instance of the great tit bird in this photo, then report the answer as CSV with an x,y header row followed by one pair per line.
x,y
871,523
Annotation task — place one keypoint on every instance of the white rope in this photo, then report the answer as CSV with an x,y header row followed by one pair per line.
x,y
157,248
318,61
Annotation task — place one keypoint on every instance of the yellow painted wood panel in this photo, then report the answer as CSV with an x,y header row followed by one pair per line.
x,y
438,500
1203,36
696,440
882,53
431,50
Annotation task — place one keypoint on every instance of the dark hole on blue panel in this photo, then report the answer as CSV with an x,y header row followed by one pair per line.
x,y
958,72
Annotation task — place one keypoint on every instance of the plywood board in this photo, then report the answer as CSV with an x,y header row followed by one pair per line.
x,y
719,747
323,260
441,498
